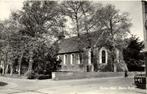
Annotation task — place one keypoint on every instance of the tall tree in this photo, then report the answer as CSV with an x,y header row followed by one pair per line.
x,y
77,12
117,26
132,54
40,20
108,21
13,42
84,20
82,15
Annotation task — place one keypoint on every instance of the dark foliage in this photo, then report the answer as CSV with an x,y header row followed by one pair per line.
x,y
132,55
42,76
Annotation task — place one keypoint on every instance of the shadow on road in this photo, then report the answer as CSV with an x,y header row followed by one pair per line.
x,y
3,83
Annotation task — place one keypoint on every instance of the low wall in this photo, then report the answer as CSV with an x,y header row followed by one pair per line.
x,y
81,75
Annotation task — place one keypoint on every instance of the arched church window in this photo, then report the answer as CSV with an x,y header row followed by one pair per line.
x,y
103,56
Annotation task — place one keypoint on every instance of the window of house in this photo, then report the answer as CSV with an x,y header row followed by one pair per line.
x,y
75,58
71,59
67,59
78,60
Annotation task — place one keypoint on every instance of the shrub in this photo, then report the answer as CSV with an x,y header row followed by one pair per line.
x,y
121,66
42,76
1,70
30,75
106,67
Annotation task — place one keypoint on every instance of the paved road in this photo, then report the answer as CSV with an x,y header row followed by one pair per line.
x,y
83,86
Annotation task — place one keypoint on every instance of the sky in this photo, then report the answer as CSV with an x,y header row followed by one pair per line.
x,y
134,8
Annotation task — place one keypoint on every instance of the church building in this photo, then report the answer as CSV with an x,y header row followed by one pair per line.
x,y
76,54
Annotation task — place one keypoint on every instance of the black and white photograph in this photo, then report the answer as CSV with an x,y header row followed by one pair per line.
x,y
73,46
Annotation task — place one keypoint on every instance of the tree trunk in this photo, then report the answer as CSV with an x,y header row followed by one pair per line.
x,y
30,64
115,68
77,25
3,71
6,69
89,65
19,66
6,63
114,59
2,66
19,69
113,47
11,70
89,56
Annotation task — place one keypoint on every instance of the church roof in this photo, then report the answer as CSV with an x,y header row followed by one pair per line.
x,y
70,45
